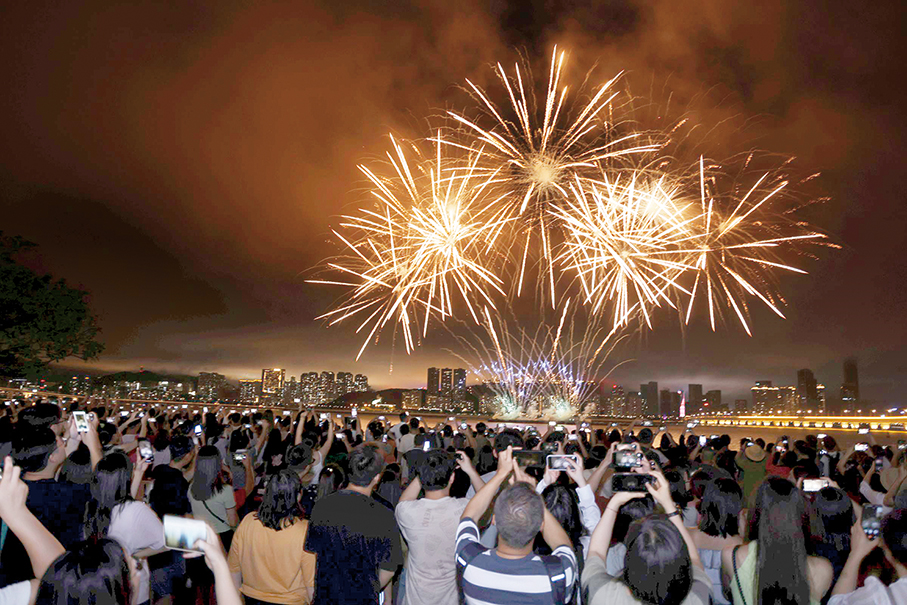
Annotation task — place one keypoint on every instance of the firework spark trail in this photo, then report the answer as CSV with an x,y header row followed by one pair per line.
x,y
543,154
429,239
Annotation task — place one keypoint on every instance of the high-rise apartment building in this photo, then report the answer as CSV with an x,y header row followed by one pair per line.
x,y
272,382
459,384
360,383
634,404
211,385
694,398
807,389
649,394
713,398
327,391
433,384
850,388
446,382
765,397
249,391
344,383
308,387
616,401
80,385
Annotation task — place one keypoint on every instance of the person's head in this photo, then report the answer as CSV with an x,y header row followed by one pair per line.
x,y
42,415
180,449
403,416
90,573
657,567
109,487
299,459
679,492
77,467
720,508
894,536
780,522
404,429
280,502
331,479
563,505
235,419
366,466
436,470
507,438
646,436
518,515
413,424
481,428
38,449
209,476
835,514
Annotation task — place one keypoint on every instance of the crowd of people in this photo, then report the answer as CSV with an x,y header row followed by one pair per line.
x,y
305,507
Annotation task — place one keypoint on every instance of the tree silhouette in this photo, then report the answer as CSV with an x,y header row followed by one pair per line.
x,y
42,319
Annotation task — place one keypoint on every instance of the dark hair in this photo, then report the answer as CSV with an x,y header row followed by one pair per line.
x,y
435,469
209,475
77,467
646,436
835,514
894,534
563,505
40,415
180,447
365,463
33,447
679,492
93,572
508,437
780,523
634,510
658,568
518,514
331,479
404,429
280,502
720,508
109,488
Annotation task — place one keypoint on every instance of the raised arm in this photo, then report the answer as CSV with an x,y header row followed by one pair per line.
x,y
327,442
466,466
552,532
860,546
601,537
42,547
595,480
412,490
482,500
661,491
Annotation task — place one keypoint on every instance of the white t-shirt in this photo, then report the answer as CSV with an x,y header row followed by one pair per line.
x,y
430,529
406,443
395,431
16,594
135,526
874,592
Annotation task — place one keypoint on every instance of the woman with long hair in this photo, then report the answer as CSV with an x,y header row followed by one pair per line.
x,y
776,566
719,508
267,558
211,496
112,513
835,517
331,479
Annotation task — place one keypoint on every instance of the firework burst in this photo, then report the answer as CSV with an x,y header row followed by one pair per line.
x,y
428,241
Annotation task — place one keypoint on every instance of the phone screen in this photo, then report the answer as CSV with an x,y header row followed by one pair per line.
x,y
145,451
814,485
861,447
559,462
426,446
81,421
182,534
872,520
703,440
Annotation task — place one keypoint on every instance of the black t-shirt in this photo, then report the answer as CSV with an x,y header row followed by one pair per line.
x,y
60,507
352,536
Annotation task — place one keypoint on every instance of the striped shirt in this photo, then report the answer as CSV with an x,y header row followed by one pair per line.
x,y
490,579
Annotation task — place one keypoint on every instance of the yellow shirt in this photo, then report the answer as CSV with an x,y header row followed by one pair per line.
x,y
274,564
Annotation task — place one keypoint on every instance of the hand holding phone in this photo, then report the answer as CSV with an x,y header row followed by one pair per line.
x,y
872,520
183,534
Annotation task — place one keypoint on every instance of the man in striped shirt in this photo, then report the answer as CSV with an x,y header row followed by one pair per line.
x,y
511,573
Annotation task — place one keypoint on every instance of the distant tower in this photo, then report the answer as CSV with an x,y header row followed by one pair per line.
x,y
807,391
433,382
850,389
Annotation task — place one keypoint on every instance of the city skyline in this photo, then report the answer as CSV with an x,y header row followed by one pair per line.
x,y
194,233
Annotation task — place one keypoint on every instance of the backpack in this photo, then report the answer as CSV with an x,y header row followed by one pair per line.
x,y
554,567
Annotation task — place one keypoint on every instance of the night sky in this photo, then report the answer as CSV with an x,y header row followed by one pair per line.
x,y
184,162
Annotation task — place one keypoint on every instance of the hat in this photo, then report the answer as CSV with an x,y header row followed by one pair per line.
x,y
889,478
754,453
299,457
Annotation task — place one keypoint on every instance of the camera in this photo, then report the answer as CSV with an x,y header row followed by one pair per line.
x,y
630,482
627,459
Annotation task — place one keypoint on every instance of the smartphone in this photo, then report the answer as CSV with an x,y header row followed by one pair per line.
x,y
146,451
559,428
380,417
124,414
287,412
572,437
703,440
552,423
822,435
81,421
814,485
861,447
872,520
526,458
426,446
878,465
464,426
182,534
184,406
384,438
559,462
323,416
354,412
205,410
549,447
780,448
197,430
239,455
627,459
630,482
